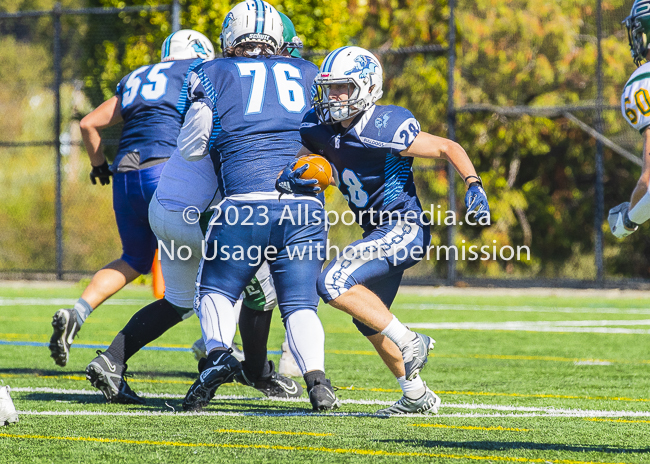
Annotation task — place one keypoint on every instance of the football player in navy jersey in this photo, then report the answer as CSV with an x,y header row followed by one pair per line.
x,y
151,101
372,149
245,113
192,186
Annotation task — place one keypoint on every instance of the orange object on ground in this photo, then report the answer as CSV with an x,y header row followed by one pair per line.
x,y
158,281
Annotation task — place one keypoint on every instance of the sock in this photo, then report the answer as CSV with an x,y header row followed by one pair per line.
x,y
218,323
314,377
398,333
254,330
306,340
144,327
83,310
412,389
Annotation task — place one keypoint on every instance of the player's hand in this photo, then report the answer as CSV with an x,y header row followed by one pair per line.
x,y
619,222
289,181
101,172
476,201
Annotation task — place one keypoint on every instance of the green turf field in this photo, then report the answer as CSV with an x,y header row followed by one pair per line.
x,y
522,379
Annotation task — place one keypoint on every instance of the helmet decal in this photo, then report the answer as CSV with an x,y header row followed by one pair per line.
x,y
259,21
226,22
364,65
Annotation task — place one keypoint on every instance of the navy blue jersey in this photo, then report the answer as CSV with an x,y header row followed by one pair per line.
x,y
257,106
153,102
373,176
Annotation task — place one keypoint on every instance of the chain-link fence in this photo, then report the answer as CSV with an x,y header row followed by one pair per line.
x,y
527,89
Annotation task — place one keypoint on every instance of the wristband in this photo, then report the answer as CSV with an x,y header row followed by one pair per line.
x,y
477,181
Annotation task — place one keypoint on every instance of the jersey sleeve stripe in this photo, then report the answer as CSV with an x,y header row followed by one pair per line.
x,y
212,95
183,103
637,78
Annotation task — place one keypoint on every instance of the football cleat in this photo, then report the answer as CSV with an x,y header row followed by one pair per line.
x,y
66,327
219,368
108,376
415,354
274,385
426,404
198,348
288,366
8,414
322,396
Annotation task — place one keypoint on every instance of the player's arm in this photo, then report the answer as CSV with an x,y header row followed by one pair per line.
x,y
427,145
625,218
105,115
193,140
430,146
641,189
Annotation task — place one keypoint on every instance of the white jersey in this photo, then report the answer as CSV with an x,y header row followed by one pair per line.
x,y
635,101
187,183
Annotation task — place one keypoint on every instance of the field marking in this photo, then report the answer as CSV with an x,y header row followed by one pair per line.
x,y
470,427
599,326
186,348
620,420
353,388
517,395
564,412
358,451
275,432
25,301
520,309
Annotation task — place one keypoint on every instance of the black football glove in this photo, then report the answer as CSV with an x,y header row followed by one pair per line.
x,y
101,172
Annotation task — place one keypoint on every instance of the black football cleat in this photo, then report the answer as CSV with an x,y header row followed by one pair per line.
x,y
220,367
108,376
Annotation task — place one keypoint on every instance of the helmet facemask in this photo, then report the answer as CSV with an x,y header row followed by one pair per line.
x,y
332,111
638,26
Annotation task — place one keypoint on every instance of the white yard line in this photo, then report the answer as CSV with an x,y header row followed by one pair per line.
x,y
528,411
600,326
520,309
68,302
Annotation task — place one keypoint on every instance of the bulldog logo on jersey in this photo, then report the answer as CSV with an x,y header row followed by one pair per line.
x,y
364,65
382,122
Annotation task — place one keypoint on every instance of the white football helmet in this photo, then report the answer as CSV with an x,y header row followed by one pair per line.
x,y
185,45
253,21
360,71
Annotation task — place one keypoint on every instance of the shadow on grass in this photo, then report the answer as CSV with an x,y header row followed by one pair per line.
x,y
516,445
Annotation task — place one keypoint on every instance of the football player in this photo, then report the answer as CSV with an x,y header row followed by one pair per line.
x,y
372,149
151,103
250,136
178,214
625,218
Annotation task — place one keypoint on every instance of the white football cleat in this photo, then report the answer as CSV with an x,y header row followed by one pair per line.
x,y
426,404
8,414
288,366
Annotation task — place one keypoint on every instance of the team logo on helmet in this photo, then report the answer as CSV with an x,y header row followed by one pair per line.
x,y
364,65
198,47
226,22
382,122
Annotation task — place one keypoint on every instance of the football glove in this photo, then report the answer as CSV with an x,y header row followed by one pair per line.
x,y
619,222
101,172
289,181
476,201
